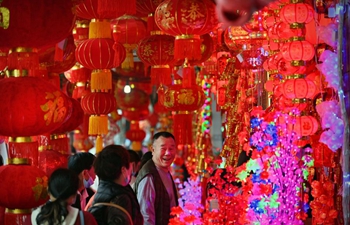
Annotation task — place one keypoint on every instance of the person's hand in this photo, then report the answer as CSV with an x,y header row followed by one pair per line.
x,y
89,204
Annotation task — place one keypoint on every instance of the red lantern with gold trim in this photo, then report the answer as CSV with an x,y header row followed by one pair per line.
x,y
297,13
98,103
135,135
299,88
305,125
298,50
158,51
186,20
47,111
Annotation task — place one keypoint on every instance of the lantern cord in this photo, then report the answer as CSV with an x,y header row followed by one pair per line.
x,y
345,148
98,144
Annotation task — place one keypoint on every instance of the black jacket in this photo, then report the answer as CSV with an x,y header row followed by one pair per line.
x,y
125,197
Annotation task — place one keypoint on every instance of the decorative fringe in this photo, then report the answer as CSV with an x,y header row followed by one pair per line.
x,y
188,77
101,80
128,63
161,75
135,146
187,46
98,144
116,8
98,125
119,53
23,60
100,29
182,128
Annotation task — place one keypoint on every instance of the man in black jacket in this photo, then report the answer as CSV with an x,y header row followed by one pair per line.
x,y
82,163
154,186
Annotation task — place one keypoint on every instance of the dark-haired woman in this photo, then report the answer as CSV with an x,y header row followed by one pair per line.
x,y
112,166
63,187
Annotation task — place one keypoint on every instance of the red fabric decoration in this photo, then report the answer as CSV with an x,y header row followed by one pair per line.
x,y
96,53
3,58
50,160
28,192
136,114
187,20
37,23
137,98
78,73
158,51
47,111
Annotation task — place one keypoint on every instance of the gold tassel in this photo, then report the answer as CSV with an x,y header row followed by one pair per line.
x,y
101,80
98,124
100,29
99,144
136,146
128,63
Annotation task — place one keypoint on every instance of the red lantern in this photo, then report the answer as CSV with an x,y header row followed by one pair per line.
x,y
284,31
36,24
135,135
298,50
28,192
136,114
47,111
135,99
80,31
58,58
77,74
97,53
299,88
297,13
305,125
187,20
158,51
98,103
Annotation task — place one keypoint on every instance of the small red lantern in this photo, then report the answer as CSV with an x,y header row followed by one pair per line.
x,y
298,50
97,53
47,111
98,103
297,13
135,135
135,99
187,20
305,125
158,51
299,88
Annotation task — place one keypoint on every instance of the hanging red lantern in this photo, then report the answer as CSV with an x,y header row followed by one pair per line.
x,y
47,111
297,13
284,31
135,99
186,20
135,135
77,74
30,191
298,50
158,51
36,24
299,88
96,53
305,125
98,103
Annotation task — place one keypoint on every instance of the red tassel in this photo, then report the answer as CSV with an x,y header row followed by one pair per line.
x,y
116,8
161,75
188,76
187,46
119,53
182,128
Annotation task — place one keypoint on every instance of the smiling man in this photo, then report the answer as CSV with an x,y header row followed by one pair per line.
x,y
154,186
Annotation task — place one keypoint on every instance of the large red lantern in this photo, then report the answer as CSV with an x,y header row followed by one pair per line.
x,y
305,125
35,23
297,13
20,196
45,107
158,51
186,20
299,88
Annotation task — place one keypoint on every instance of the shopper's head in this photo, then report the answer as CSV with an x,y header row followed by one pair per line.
x,y
82,163
163,149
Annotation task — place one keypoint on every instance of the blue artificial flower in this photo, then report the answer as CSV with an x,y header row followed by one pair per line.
x,y
256,178
306,207
255,206
255,122
271,129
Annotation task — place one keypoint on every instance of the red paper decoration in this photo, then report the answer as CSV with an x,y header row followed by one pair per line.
x,y
47,111
158,51
187,20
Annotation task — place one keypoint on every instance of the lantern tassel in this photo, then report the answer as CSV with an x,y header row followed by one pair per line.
x,y
161,75
182,127
98,124
187,46
136,146
100,29
188,76
101,80
99,144
128,63
119,53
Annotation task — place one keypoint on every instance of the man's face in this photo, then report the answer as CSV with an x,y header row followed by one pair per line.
x,y
164,150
